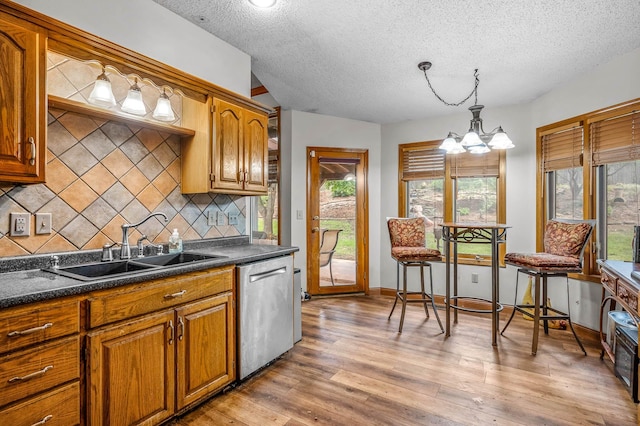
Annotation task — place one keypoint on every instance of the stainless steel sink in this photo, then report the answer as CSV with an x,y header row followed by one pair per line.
x,y
94,271
176,258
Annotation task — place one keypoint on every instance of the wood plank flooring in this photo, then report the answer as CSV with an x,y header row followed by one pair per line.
x,y
353,368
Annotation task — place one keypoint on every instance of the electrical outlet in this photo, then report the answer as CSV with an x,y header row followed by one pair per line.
x,y
20,225
43,223
474,278
211,218
233,218
220,221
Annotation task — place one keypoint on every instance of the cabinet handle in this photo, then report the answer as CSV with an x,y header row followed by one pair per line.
x,y
31,375
246,176
240,176
32,160
30,330
174,295
170,327
180,328
43,421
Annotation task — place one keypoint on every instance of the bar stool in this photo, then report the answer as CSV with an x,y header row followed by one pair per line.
x,y
564,244
408,249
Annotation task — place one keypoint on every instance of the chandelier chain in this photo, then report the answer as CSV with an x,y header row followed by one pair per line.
x,y
473,92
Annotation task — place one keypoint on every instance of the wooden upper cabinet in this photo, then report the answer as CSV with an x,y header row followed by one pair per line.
x,y
256,153
22,101
227,160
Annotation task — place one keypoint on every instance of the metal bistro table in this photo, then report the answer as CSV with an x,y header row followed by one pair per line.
x,y
475,233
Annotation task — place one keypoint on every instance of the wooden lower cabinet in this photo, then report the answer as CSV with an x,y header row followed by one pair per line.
x,y
205,347
131,372
146,370
59,407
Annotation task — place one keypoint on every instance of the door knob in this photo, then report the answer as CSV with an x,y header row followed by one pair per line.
x,y
316,217
316,229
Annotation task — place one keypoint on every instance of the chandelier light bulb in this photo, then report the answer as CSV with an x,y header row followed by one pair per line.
x,y
471,139
501,141
448,143
457,149
263,3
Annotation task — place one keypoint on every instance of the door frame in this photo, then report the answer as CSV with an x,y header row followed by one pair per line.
x,y
362,221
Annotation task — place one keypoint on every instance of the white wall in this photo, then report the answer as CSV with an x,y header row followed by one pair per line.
x,y
608,84
302,129
148,28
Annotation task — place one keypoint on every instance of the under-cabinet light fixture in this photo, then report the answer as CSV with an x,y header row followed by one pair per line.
x,y
163,110
133,104
102,95
263,3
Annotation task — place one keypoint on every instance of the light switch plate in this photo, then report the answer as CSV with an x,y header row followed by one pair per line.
x,y
233,218
43,223
220,221
211,218
20,225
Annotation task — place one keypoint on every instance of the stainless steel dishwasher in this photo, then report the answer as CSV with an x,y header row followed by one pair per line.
x,y
265,314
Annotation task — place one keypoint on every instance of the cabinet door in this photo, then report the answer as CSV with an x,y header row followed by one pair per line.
x,y
256,154
206,348
227,161
22,102
131,372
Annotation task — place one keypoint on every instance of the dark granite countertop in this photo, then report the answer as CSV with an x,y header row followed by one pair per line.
x,y
22,279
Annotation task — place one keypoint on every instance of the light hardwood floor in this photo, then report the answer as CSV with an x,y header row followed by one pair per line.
x,y
353,368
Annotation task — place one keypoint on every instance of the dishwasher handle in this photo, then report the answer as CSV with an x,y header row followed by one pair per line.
x,y
264,275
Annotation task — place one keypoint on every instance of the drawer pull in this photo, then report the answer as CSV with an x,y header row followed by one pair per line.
x,y
30,330
43,421
174,295
31,375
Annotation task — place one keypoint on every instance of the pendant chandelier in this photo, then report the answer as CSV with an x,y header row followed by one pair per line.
x,y
476,140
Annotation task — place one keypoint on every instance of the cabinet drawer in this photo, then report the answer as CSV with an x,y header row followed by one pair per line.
x,y
36,323
31,371
627,294
144,298
609,281
60,407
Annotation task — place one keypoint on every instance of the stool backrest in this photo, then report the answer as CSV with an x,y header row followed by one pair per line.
x,y
407,232
567,237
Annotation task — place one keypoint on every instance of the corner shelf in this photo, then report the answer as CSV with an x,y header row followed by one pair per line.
x,y
113,115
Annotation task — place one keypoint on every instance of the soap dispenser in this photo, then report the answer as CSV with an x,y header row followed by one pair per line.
x,y
175,242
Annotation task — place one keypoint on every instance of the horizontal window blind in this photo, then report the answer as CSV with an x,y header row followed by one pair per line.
x,y
616,139
563,149
422,163
475,165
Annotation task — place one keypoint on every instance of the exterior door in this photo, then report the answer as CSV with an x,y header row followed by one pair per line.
x,y
337,221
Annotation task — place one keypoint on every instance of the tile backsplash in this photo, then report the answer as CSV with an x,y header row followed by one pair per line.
x,y
101,174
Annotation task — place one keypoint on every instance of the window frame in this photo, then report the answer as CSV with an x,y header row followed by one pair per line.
x,y
592,185
449,194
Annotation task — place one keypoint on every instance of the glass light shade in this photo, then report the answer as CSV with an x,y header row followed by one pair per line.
x,y
163,111
501,141
262,3
471,139
479,149
448,143
133,104
457,149
102,95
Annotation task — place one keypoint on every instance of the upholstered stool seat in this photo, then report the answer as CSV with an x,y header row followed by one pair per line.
x,y
564,243
408,239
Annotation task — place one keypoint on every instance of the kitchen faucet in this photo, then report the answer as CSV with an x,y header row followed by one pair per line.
x,y
125,249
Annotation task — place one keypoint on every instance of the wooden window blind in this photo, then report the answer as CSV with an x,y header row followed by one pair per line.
x,y
422,163
616,139
563,149
475,165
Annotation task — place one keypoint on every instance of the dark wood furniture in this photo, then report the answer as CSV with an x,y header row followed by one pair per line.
x,y
622,288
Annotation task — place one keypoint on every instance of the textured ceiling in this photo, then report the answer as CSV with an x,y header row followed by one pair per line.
x,y
358,59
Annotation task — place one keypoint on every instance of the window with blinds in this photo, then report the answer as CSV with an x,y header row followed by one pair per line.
x,y
475,165
422,162
616,139
563,148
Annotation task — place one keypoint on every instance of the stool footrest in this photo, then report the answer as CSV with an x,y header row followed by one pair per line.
x,y
558,315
